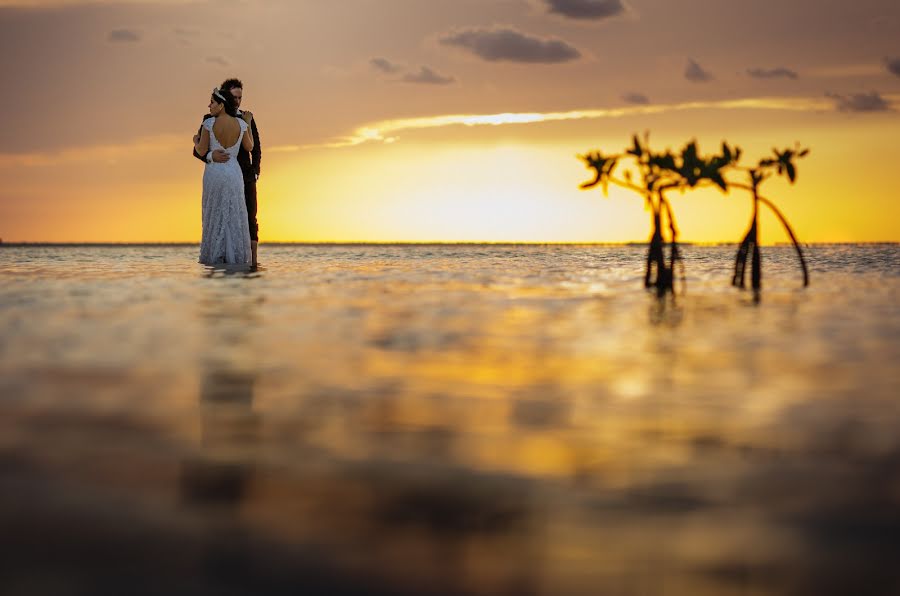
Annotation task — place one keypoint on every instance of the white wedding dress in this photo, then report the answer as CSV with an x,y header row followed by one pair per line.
x,y
226,233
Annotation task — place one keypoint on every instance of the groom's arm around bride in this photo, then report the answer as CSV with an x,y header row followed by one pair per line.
x,y
249,162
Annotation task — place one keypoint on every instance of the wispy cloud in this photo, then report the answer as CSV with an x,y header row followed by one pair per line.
x,y
384,65
696,73
860,102
123,36
638,99
594,10
426,76
510,45
220,60
773,73
387,130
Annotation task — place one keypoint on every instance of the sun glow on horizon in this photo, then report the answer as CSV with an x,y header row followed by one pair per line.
x,y
469,179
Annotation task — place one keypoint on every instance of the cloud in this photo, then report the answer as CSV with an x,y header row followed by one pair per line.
x,y
586,9
124,35
509,45
636,99
860,102
893,65
220,60
427,76
773,73
385,131
694,72
384,65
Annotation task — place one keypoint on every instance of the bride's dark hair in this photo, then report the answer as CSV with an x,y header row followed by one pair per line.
x,y
225,98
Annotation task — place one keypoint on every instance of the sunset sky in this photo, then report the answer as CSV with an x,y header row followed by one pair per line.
x,y
434,120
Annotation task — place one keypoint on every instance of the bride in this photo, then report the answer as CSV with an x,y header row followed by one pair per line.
x,y
226,237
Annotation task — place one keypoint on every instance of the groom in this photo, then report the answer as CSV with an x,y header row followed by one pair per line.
x,y
249,162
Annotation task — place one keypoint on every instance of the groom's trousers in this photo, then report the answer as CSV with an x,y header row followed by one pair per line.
x,y
250,198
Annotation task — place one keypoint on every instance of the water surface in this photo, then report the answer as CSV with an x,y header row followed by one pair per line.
x,y
446,420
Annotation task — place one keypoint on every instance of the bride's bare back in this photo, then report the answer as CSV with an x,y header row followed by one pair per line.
x,y
227,130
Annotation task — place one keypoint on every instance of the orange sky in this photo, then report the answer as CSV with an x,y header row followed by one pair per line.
x,y
384,121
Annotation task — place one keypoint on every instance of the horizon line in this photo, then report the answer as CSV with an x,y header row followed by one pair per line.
x,y
340,243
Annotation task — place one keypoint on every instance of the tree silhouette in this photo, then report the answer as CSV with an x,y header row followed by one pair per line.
x,y
781,164
659,174
662,172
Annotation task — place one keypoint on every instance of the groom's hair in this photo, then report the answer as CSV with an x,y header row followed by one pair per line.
x,y
230,84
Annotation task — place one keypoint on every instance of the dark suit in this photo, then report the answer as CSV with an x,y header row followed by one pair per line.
x,y
249,163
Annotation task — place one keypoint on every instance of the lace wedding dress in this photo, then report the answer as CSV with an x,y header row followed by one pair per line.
x,y
226,235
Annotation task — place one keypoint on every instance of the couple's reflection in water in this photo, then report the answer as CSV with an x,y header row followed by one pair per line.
x,y
219,473
403,517
225,270
216,478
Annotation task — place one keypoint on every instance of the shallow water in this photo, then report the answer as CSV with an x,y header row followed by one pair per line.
x,y
447,420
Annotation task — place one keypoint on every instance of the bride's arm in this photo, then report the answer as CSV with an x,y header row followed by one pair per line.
x,y
247,140
201,145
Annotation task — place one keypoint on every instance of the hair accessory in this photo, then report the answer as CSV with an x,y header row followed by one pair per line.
x,y
218,93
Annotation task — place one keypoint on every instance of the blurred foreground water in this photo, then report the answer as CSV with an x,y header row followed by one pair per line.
x,y
447,420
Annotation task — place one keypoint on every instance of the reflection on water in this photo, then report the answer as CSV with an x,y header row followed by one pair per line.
x,y
224,270
446,420
229,429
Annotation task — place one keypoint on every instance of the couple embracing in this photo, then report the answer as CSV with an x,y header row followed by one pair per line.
x,y
228,142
